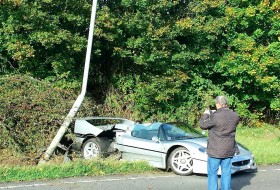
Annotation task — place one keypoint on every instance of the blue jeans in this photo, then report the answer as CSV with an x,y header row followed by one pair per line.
x,y
213,167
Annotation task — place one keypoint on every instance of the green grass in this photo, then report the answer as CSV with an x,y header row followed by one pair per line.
x,y
71,169
263,142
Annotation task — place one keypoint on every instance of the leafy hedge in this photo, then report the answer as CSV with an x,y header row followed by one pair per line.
x,y
31,112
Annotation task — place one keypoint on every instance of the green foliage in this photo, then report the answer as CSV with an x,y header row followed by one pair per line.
x,y
28,109
44,38
152,59
31,113
250,67
169,57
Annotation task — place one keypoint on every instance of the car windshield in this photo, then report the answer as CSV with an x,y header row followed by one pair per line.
x,y
179,130
165,131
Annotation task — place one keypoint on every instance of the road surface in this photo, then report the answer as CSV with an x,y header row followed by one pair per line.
x,y
267,177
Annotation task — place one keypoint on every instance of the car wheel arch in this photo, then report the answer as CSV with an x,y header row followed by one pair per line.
x,y
87,137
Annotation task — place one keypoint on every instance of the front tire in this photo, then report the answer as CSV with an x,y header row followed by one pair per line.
x,y
181,162
93,148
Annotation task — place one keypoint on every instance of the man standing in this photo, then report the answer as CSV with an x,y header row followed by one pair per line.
x,y
221,147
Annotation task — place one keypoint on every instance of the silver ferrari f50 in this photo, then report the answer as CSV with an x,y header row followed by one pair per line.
x,y
176,146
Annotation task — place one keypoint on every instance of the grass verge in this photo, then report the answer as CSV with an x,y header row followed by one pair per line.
x,y
78,168
263,142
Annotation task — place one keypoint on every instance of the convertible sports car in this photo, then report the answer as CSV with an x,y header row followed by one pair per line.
x,y
176,146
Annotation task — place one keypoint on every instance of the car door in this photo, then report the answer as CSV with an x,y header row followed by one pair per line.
x,y
140,146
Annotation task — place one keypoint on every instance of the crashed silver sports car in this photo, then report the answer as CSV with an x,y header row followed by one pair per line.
x,y
175,146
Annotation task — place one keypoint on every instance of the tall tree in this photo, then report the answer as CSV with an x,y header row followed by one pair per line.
x,y
43,37
152,57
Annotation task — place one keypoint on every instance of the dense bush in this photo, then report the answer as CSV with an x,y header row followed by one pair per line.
x,y
162,58
170,57
30,114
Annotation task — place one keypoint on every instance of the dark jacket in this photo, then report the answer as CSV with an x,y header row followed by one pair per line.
x,y
221,127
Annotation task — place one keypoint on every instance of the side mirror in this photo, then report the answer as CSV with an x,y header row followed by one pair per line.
x,y
156,139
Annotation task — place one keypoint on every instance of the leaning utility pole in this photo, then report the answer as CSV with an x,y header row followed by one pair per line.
x,y
80,98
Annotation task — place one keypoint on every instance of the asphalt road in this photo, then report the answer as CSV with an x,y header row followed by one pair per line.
x,y
267,177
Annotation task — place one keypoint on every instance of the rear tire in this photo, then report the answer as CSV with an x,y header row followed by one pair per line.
x,y
94,148
181,162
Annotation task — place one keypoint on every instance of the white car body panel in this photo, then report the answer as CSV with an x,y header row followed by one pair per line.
x,y
83,127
